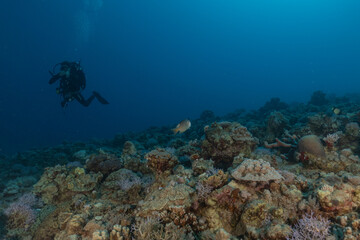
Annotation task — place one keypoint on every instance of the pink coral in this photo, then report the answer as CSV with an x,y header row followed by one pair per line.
x,y
310,227
20,213
331,139
203,190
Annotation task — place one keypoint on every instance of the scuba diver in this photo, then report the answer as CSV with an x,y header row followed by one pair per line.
x,y
72,82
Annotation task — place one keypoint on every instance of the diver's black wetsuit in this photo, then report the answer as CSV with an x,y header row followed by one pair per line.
x,y
72,81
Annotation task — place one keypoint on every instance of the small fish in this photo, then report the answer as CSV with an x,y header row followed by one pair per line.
x,y
336,110
182,126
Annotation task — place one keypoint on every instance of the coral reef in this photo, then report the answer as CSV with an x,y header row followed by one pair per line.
x,y
214,181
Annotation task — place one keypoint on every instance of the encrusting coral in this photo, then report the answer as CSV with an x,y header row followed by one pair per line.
x,y
255,171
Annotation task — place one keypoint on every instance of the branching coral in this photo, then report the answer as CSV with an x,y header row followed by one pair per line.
x,y
310,227
331,139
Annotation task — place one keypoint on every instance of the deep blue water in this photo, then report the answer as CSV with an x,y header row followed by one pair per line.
x,y
158,62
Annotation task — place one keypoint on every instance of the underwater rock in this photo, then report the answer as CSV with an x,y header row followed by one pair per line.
x,y
352,129
59,183
173,196
17,186
225,140
53,220
278,232
75,224
274,104
332,162
80,155
95,230
200,165
188,150
104,163
74,164
214,178
207,114
337,200
253,218
276,124
284,200
129,148
321,124
122,185
133,159
151,142
318,98
160,160
219,218
350,139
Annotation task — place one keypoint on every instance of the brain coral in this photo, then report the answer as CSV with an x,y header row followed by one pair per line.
x,y
225,140
311,144
255,171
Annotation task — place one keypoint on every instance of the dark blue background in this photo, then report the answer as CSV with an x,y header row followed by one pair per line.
x,y
158,62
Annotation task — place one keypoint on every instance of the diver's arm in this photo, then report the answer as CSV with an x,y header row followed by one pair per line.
x,y
54,77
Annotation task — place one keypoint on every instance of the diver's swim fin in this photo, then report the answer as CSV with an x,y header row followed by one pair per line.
x,y
100,98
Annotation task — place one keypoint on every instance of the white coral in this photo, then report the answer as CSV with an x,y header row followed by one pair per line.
x,y
255,171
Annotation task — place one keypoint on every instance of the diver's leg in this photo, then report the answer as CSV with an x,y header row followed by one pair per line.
x,y
82,100
100,98
63,103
